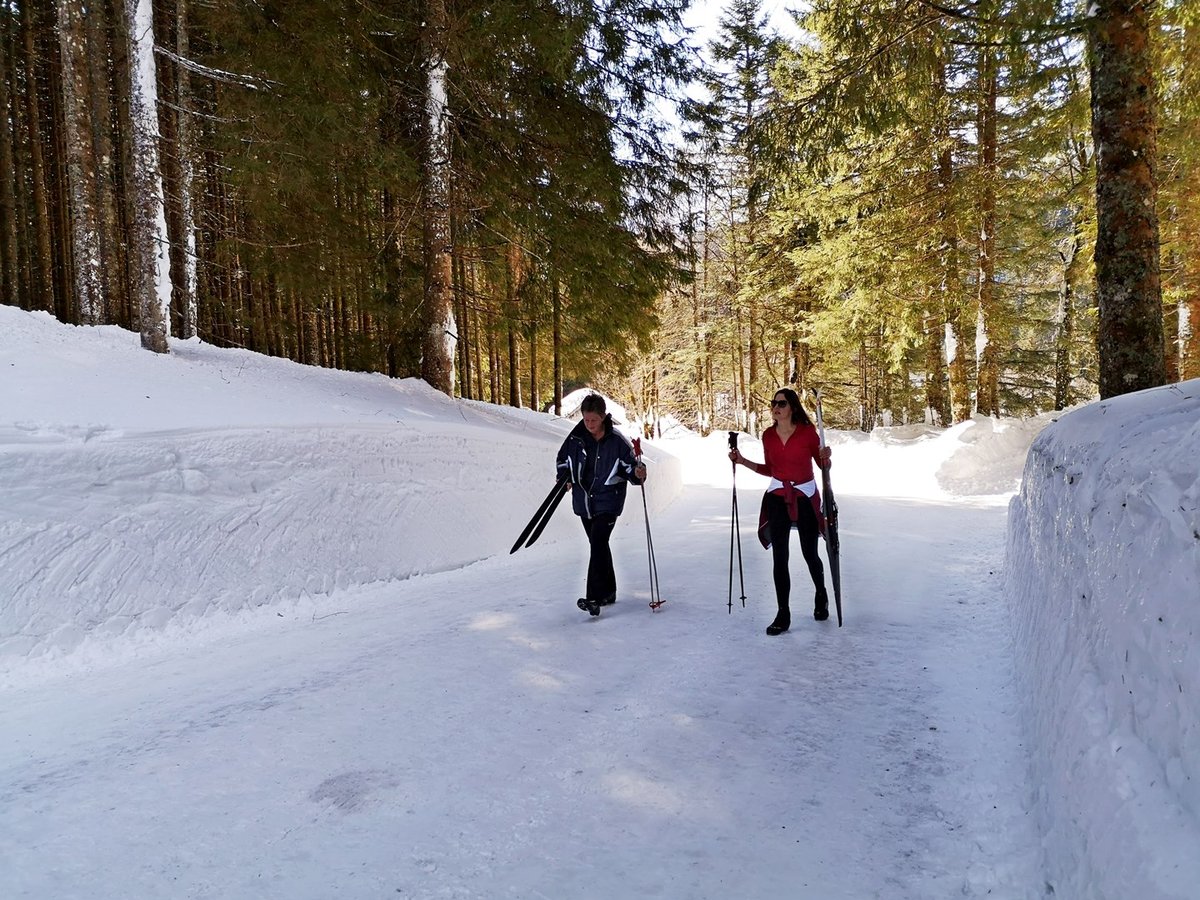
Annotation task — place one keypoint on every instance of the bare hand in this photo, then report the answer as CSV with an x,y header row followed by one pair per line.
x,y
640,472
735,456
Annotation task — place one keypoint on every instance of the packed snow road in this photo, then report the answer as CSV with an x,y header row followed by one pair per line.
x,y
472,734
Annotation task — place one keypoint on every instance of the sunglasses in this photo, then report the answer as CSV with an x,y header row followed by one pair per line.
x,y
779,403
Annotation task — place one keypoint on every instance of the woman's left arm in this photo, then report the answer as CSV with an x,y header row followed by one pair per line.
x,y
637,468
822,456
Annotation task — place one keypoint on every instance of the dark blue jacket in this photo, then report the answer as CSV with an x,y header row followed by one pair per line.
x,y
598,470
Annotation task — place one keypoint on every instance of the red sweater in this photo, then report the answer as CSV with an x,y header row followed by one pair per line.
x,y
794,460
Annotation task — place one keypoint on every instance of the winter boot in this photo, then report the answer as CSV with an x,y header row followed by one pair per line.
x,y
821,605
609,600
591,607
783,621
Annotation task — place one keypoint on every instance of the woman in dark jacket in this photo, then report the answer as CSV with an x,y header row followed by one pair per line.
x,y
598,461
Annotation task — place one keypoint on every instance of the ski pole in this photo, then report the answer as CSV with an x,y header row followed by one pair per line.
x,y
735,527
656,599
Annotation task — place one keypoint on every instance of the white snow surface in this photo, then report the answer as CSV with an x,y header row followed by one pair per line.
x,y
261,636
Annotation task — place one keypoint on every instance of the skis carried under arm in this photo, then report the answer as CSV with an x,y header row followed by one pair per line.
x,y
830,510
541,518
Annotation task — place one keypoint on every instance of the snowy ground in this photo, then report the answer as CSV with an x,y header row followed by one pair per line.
x,y
261,637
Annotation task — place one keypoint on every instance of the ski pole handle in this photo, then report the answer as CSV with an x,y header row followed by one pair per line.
x,y
820,420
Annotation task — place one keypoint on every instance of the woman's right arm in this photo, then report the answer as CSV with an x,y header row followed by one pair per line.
x,y
736,456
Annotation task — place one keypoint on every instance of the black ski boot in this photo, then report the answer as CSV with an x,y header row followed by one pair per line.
x,y
821,605
783,621
591,607
609,600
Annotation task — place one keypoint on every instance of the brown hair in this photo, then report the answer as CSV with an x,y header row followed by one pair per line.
x,y
799,416
593,403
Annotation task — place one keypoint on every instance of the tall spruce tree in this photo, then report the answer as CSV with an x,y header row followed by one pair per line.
x,y
744,53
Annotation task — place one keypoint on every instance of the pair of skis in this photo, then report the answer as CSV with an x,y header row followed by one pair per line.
x,y
830,510
541,518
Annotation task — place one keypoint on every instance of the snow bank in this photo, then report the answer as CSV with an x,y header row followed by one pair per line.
x,y
1104,574
125,475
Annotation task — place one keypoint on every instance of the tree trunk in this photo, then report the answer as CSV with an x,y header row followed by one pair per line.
x,y
478,342
937,400
493,360
9,293
174,119
149,270
534,396
1129,290
436,314
1065,327
697,340
987,396
958,406
514,367
108,72
939,387
81,163
556,300
1189,331
462,343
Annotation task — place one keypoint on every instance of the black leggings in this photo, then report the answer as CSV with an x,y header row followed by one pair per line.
x,y
779,524
601,580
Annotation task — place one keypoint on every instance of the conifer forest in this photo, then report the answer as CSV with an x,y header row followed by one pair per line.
x,y
928,209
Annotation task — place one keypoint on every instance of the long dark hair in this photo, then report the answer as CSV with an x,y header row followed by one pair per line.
x,y
799,416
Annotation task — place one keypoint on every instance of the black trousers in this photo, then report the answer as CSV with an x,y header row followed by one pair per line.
x,y
779,523
601,580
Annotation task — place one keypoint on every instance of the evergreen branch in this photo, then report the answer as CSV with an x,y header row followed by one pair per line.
x,y
248,81
1055,28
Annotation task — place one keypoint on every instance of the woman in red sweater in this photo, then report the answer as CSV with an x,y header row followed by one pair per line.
x,y
791,446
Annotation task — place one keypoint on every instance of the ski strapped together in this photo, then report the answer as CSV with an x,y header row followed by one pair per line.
x,y
656,599
830,510
541,518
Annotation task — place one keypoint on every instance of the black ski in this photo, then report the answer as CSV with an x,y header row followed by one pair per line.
x,y
541,518
829,508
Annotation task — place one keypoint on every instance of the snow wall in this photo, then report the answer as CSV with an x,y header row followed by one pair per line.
x,y
138,531
1104,574
113,529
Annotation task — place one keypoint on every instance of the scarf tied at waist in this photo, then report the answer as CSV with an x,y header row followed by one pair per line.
x,y
791,493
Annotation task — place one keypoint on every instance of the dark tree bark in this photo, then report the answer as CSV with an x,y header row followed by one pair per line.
x,y
174,86
81,163
9,293
42,253
1130,333
107,62
556,298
